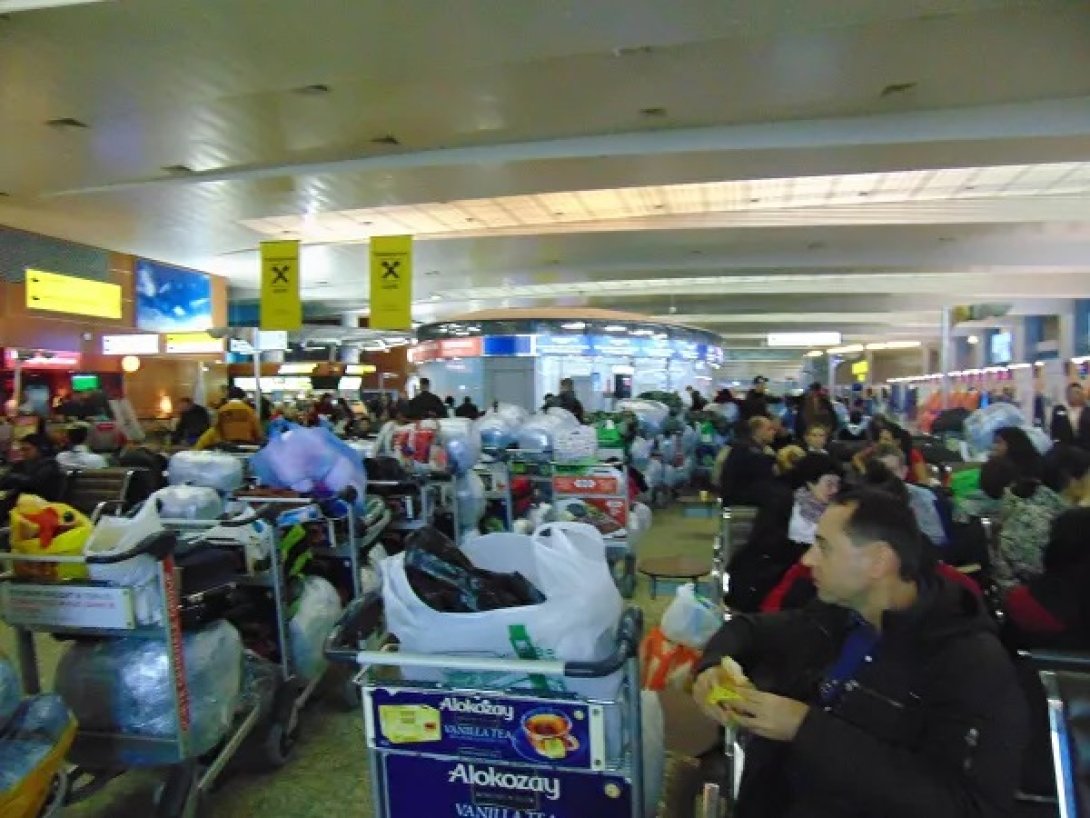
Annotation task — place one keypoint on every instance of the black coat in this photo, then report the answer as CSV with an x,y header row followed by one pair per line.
x,y
426,405
41,477
809,413
1062,430
754,404
932,724
747,474
192,423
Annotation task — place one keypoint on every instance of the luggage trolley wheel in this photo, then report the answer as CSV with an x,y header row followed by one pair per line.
x,y
58,794
350,694
283,731
180,796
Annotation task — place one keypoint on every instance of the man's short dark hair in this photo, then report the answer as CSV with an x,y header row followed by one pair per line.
x,y
236,393
425,383
755,423
879,516
77,434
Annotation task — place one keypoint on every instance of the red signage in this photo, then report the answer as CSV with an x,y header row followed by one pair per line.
x,y
42,359
585,486
448,348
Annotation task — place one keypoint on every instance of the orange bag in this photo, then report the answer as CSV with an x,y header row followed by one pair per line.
x,y
665,664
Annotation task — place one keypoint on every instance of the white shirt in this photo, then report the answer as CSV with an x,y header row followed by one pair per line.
x,y
1074,414
799,529
81,457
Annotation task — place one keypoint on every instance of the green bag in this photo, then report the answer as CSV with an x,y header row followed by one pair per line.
x,y
964,483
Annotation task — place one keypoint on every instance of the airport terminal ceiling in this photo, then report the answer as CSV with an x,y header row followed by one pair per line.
x,y
737,166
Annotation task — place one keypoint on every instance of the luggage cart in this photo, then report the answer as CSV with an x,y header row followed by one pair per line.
x,y
414,502
105,610
496,476
449,751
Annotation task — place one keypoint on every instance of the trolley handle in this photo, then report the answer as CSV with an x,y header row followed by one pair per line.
x,y
629,632
159,545
267,512
1068,661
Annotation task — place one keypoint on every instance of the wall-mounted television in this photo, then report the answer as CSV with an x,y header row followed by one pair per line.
x,y
1001,348
85,383
170,299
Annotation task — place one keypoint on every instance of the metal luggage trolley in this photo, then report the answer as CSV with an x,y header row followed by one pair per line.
x,y
106,610
470,751
413,502
495,473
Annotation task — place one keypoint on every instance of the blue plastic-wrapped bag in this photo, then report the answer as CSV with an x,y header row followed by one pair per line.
x,y
311,461
214,470
11,692
461,440
124,686
981,425
496,432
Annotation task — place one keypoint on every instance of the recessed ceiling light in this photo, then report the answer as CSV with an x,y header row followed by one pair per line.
x,y
432,273
653,112
317,89
389,139
633,50
816,245
755,199
436,297
616,328
178,170
67,123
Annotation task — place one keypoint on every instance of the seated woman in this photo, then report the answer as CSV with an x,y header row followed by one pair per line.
x,y
883,431
1028,509
1053,610
1013,456
783,532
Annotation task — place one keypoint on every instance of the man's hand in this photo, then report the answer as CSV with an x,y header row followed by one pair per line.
x,y
768,715
702,688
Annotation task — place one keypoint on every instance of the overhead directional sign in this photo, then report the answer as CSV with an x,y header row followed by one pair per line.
x,y
281,305
391,282
76,296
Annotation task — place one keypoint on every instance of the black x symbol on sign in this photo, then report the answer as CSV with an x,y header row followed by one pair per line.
x,y
280,273
390,270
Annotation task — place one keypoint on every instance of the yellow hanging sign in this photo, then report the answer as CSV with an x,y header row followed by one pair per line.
x,y
77,296
281,305
391,282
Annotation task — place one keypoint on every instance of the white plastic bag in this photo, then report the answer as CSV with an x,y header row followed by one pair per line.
x,y
188,503
319,610
690,620
116,535
216,470
566,562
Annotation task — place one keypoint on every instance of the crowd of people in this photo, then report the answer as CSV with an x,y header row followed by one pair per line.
x,y
878,624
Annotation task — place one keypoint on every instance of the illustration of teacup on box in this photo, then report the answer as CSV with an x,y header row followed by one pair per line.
x,y
549,733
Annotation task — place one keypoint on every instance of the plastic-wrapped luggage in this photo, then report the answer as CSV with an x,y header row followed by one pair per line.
x,y
575,444
11,692
461,442
124,686
214,470
640,452
311,461
318,609
539,433
469,494
981,425
650,415
496,431
189,503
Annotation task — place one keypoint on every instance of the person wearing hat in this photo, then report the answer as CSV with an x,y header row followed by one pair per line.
x,y
755,403
35,473
78,455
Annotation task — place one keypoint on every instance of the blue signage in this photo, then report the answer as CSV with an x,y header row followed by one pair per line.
x,y
547,732
459,788
626,346
508,345
565,345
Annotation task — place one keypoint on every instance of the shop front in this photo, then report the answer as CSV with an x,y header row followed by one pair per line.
x,y
607,357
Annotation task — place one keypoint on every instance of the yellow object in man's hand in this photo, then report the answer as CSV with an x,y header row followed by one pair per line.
x,y
730,678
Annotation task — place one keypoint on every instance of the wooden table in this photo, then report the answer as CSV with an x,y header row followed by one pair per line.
x,y
681,567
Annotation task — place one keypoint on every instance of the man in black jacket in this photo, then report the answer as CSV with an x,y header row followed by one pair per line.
x,y
567,399
890,698
1071,422
426,404
750,468
755,403
193,421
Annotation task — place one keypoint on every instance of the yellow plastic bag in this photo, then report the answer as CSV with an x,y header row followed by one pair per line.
x,y
48,529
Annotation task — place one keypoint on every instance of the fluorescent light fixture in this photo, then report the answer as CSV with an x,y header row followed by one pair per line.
x,y
885,345
850,349
973,340
616,328
646,332
804,339
13,6
395,342
574,325
297,369
814,353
